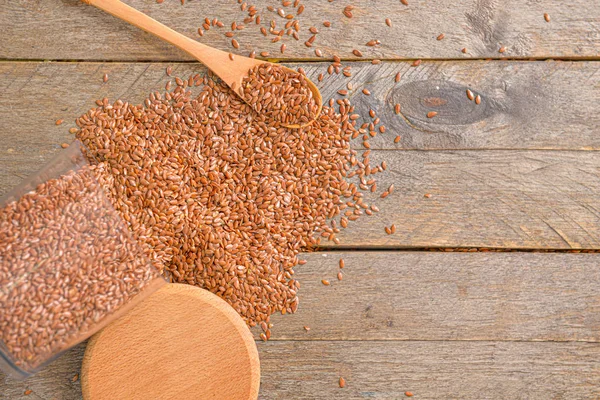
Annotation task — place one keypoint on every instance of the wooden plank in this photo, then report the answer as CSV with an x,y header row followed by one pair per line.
x,y
445,296
385,370
68,30
485,198
526,105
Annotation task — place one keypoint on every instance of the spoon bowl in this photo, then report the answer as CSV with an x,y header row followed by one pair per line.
x,y
231,71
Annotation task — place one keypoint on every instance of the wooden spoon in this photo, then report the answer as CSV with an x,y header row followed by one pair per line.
x,y
231,72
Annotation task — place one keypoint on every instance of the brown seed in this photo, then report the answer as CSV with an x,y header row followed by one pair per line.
x,y
326,24
375,61
229,34
547,17
397,108
325,282
416,63
440,36
59,121
263,337
28,392
342,382
169,70
397,77
387,230
231,57
405,2
357,53
72,130
372,43
470,95
366,92
64,145
282,48
502,49
105,78
408,394
306,328
431,114
388,22
464,50
74,378
235,44
397,139
478,99
393,229
264,54
341,263
318,53
427,195
342,92
340,276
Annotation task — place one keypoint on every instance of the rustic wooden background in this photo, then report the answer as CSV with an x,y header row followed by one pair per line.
x,y
519,174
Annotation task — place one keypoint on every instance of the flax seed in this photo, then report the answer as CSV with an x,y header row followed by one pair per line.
x,y
547,17
388,22
478,99
397,77
342,382
431,114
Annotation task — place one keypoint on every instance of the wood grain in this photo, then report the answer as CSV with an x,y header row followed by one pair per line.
x,y
446,296
486,198
385,370
179,342
69,30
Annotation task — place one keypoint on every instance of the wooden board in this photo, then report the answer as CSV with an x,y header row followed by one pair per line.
x,y
526,105
182,342
446,296
385,370
68,30
497,196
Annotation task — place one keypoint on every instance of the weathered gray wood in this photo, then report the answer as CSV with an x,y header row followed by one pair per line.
x,y
446,296
67,30
526,105
385,370
504,199
487,198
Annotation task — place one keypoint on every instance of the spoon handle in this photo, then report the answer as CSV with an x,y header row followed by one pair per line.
x,y
137,18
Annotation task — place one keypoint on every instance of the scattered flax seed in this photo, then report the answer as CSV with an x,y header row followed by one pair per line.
x,y
74,378
470,95
169,70
372,43
388,22
431,114
416,63
397,108
72,130
264,54
375,61
325,282
393,228
105,78
502,49
397,77
231,57
235,44
408,394
306,328
405,2
64,145
318,53
440,36
342,382
28,392
263,337
326,24
342,92
357,53
547,17
478,100
341,263
340,276
366,92
427,195
464,50
387,230
59,121
282,48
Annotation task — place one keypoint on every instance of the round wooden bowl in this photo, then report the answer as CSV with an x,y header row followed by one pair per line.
x,y
182,342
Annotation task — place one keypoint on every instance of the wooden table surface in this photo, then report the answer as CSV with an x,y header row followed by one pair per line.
x,y
520,174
